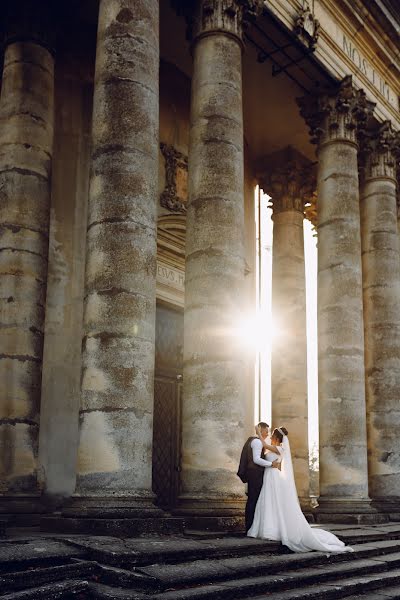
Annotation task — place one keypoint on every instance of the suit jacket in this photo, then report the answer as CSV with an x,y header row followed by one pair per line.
x,y
246,462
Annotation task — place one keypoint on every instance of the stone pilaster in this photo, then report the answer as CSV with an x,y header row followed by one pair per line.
x,y
116,415
381,287
26,141
290,184
334,119
214,364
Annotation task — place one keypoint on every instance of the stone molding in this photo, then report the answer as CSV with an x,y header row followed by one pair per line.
x,y
205,17
336,115
381,152
175,163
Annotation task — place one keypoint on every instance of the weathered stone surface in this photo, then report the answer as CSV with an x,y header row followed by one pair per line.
x,y
58,435
214,363
289,182
26,139
119,317
333,119
177,567
381,288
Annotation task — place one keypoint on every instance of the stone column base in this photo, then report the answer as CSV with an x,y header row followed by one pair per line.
x,y
339,510
389,505
210,507
98,507
120,517
212,514
23,511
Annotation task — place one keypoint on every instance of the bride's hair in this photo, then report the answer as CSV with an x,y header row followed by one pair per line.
x,y
279,432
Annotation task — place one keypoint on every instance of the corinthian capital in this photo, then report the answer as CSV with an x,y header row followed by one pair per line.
x,y
289,179
210,16
381,151
338,114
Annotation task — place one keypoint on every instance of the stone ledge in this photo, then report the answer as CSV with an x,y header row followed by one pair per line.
x,y
128,527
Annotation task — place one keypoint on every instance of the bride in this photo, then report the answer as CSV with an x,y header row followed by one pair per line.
x,y
278,514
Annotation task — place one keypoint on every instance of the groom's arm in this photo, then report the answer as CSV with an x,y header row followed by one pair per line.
x,y
256,448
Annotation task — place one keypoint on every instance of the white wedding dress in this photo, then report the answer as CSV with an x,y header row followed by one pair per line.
x,y
278,515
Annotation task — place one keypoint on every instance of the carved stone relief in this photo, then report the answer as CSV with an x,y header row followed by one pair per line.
x,y
174,196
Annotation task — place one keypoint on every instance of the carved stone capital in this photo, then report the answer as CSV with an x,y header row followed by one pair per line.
x,y
174,196
336,115
381,152
205,17
290,181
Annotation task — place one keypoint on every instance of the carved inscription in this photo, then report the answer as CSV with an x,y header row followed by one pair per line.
x,y
170,276
368,70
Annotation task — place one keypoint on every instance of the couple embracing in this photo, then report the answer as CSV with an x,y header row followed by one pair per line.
x,y
273,511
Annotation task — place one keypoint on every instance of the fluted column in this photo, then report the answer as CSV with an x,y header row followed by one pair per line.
x,y
214,365
381,287
333,119
116,414
290,184
26,140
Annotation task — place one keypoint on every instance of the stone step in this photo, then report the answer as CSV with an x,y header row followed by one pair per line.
x,y
99,591
3,525
388,593
140,552
132,552
34,577
197,572
56,591
17,555
289,586
160,577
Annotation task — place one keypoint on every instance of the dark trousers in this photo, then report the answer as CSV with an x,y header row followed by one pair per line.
x,y
254,485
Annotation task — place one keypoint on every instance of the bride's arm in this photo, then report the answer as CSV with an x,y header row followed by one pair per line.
x,y
265,445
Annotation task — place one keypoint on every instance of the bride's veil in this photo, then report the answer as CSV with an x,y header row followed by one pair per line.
x,y
287,469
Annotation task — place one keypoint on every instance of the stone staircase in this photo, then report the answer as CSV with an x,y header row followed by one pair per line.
x,y
201,567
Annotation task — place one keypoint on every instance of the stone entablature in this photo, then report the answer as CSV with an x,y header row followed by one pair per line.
x,y
349,43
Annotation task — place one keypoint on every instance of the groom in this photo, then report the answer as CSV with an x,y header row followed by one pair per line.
x,y
251,470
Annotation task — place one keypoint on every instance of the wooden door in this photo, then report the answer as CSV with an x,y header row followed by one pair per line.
x,y
166,440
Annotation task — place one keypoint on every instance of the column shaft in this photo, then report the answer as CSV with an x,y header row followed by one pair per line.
x,y
334,119
214,366
26,138
343,452
116,415
289,346
381,286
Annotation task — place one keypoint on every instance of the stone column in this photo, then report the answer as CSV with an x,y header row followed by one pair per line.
x,y
26,140
333,119
213,412
116,415
381,287
290,183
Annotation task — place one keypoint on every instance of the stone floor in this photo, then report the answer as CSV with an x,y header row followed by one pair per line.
x,y
197,565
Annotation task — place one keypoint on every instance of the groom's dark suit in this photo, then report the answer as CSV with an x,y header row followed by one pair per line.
x,y
253,475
